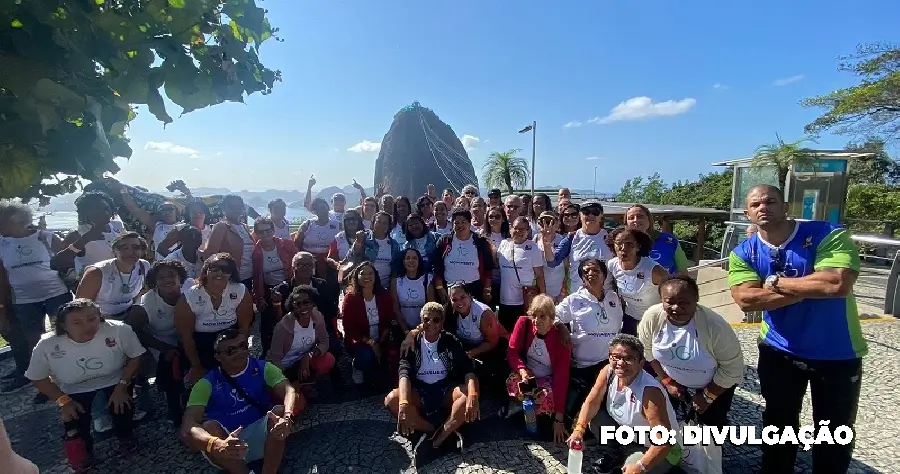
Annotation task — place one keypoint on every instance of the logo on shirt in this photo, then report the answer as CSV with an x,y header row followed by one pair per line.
x,y
110,342
89,363
612,304
808,242
24,250
640,275
462,251
602,318
412,293
527,247
57,353
232,296
679,352
655,255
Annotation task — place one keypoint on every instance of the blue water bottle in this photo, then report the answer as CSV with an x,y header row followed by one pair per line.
x,y
530,416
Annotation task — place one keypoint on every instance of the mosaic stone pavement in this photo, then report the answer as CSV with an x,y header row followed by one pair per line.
x,y
353,433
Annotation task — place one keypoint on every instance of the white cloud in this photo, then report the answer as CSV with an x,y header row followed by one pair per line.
x,y
788,80
573,124
365,146
719,85
171,148
469,141
641,108
593,158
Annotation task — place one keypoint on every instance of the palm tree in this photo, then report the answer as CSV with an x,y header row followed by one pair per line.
x,y
505,169
782,156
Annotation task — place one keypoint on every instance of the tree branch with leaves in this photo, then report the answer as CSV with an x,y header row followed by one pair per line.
x,y
505,169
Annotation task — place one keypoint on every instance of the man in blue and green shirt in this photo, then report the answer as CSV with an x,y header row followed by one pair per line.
x,y
230,417
801,275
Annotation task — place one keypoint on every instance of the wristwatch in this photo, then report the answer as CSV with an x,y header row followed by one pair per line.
x,y
124,382
707,397
772,281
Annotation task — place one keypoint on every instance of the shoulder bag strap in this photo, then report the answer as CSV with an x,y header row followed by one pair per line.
x,y
243,393
512,259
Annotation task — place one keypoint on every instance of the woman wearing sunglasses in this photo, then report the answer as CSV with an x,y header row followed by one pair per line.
x,y
554,277
300,342
218,303
436,377
272,258
637,276
588,241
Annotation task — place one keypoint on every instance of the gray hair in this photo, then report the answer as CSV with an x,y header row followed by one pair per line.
x,y
301,255
11,207
629,342
469,187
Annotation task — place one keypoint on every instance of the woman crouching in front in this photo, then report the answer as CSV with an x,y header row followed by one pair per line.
x,y
86,357
300,340
626,395
435,376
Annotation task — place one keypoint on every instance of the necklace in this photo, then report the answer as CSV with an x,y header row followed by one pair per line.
x,y
126,286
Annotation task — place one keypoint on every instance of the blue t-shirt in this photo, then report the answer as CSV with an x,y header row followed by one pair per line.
x,y
224,404
664,248
814,328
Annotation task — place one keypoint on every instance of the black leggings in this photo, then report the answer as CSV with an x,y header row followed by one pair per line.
x,y
81,426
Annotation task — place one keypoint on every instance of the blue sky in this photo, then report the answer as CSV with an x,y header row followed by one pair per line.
x,y
721,78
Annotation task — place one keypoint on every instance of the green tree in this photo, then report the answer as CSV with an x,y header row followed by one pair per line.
x,y
709,190
638,191
877,168
505,169
873,202
782,156
870,108
73,71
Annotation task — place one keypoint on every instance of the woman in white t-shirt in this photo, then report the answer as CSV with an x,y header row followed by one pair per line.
x,y
217,303
91,242
402,210
162,220
441,224
637,276
316,235
595,315
37,289
496,229
195,216
88,357
155,327
554,277
116,284
189,255
588,241
411,289
521,265
343,240
626,395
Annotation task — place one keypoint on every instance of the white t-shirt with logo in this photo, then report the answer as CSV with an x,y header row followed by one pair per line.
x,y
192,269
554,277
636,285
526,257
594,324
209,319
382,261
160,231
412,296
432,370
539,358
343,246
399,235
468,328
79,367
441,231
246,264
118,290
27,264
624,406
678,350
372,317
283,232
273,269
303,342
461,262
583,246
161,320
317,238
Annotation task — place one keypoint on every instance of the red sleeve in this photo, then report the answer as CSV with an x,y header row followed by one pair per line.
x,y
561,357
516,341
356,328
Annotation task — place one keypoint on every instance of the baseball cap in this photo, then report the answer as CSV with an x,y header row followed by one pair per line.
x,y
549,214
494,193
591,203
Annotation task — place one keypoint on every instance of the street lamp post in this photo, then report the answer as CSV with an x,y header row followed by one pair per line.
x,y
595,181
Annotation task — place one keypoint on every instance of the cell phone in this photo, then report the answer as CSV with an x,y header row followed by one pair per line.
x,y
528,386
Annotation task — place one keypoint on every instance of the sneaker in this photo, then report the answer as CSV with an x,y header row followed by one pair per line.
x,y
102,425
607,463
13,385
358,377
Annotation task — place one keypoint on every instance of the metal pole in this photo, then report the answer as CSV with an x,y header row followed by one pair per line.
x,y
595,181
533,148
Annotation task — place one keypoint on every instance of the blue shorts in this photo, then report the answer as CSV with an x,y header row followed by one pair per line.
x,y
433,396
254,435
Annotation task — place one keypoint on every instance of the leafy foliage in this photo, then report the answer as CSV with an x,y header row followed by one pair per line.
x,y
782,156
869,108
636,190
876,169
505,169
873,202
73,71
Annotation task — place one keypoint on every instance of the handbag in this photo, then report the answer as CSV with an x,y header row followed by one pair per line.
x,y
528,291
699,459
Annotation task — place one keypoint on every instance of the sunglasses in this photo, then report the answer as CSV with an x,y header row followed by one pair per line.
x,y
232,350
592,211
434,320
626,359
298,266
220,269
570,214
777,257
167,209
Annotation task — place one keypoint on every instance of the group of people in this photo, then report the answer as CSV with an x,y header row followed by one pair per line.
x,y
434,302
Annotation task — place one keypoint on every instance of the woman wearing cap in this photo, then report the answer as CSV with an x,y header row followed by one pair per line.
x,y
637,276
666,249
588,241
463,256
495,198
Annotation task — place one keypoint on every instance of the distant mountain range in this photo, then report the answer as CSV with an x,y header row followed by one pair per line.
x,y
260,199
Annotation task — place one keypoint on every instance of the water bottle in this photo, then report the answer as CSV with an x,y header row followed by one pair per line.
x,y
76,450
576,455
530,416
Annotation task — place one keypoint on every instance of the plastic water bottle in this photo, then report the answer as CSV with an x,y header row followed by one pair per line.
x,y
530,416
576,455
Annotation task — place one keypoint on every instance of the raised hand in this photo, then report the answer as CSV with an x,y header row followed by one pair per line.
x,y
312,181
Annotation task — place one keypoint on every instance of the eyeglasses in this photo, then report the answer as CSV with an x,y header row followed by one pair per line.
x,y
592,211
627,359
132,247
547,221
300,265
625,245
219,268
232,350
167,209
434,320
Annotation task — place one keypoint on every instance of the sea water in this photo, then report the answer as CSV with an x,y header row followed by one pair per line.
x,y
68,220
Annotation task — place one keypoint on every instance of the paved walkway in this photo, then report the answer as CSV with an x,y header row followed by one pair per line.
x,y
355,435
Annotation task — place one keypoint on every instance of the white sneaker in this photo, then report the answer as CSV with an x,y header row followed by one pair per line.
x,y
358,378
102,425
